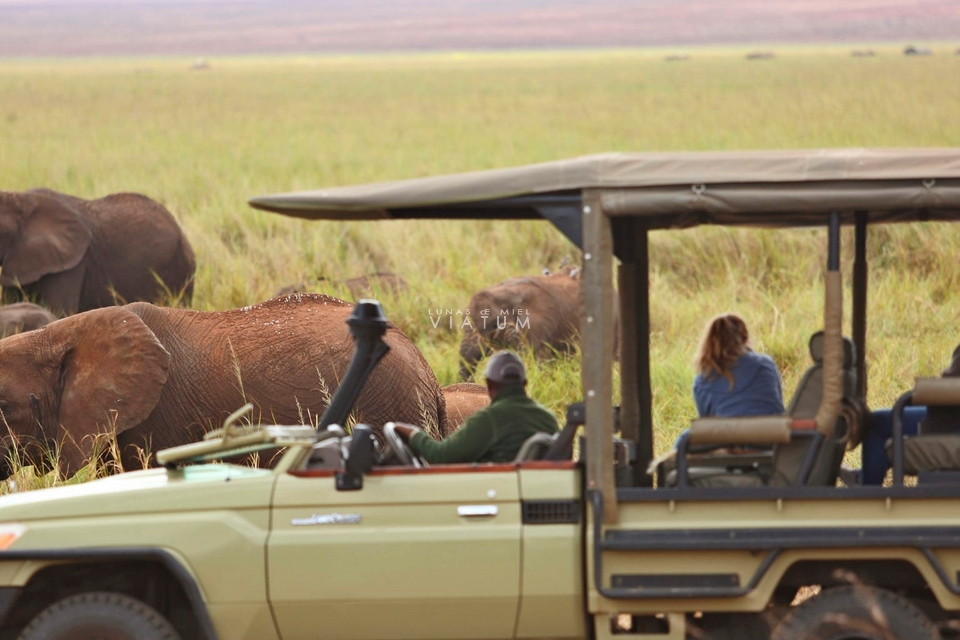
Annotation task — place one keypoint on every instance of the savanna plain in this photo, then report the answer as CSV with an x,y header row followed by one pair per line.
x,y
203,141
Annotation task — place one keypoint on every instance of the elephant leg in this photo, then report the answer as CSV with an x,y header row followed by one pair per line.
x,y
60,292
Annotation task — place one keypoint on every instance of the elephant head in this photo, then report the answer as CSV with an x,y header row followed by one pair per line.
x,y
96,372
41,233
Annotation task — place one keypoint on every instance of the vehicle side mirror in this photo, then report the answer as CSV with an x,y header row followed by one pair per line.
x,y
360,457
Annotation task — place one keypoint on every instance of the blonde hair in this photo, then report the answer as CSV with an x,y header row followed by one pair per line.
x,y
725,339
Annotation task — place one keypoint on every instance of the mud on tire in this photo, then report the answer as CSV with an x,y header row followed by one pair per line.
x,y
101,615
856,613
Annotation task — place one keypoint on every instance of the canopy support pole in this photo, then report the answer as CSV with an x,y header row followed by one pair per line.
x,y
636,421
597,334
860,301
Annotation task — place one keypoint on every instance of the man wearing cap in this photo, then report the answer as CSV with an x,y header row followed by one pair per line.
x,y
496,432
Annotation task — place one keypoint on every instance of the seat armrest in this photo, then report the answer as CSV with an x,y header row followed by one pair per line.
x,y
754,430
937,391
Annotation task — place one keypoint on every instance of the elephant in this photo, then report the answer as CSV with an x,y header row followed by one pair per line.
x,y
73,255
359,287
155,377
463,399
541,312
23,316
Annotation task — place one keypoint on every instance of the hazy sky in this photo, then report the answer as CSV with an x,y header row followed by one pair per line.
x,y
208,27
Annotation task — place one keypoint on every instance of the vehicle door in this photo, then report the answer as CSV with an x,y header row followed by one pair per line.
x,y
415,553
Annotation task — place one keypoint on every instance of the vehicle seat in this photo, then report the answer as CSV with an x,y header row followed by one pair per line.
x,y
327,454
562,447
804,405
809,391
786,460
924,454
535,447
932,457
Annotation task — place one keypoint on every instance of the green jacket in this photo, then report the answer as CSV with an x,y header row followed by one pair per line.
x,y
493,434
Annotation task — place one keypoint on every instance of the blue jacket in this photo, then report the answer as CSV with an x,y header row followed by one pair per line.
x,y
756,389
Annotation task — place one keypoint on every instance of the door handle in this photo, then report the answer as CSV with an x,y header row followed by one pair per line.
x,y
477,510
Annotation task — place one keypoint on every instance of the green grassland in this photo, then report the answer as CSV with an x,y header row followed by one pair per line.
x,y
203,142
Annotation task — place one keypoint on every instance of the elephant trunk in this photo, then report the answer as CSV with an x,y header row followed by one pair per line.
x,y
367,326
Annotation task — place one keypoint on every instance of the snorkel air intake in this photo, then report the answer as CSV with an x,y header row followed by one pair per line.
x,y
367,326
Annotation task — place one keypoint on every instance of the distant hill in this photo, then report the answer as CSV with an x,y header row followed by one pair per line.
x,y
211,27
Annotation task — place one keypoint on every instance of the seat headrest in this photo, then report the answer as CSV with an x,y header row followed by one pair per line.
x,y
816,350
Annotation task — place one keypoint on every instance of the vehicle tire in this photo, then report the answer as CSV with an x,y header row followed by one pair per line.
x,y
856,613
100,615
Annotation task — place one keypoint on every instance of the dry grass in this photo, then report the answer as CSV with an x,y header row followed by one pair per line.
x,y
203,143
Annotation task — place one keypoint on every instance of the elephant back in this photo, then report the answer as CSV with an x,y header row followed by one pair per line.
x,y
139,252
463,400
286,356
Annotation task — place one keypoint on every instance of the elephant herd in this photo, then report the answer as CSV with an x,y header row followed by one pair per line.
x,y
93,352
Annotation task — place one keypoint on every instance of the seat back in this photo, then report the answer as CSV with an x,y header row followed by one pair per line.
x,y
806,398
562,447
932,457
535,446
790,458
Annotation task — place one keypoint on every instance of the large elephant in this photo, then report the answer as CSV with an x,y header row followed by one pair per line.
x,y
162,376
73,255
23,316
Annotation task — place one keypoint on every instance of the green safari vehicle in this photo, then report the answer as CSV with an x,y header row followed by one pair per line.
x,y
343,542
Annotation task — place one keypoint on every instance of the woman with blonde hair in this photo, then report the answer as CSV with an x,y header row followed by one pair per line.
x,y
732,379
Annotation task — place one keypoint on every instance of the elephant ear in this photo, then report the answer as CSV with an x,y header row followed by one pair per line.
x,y
113,371
52,238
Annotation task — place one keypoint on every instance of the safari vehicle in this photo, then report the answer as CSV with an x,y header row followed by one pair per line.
x,y
336,542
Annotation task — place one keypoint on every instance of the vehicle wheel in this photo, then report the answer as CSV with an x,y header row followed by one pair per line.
x,y
856,613
100,615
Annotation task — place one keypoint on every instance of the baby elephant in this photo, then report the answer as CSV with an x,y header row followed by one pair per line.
x,y
156,377
542,312
463,400
23,316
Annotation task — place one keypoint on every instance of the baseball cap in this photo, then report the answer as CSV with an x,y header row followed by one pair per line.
x,y
505,367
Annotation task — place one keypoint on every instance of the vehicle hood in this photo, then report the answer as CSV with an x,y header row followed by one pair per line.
x,y
200,487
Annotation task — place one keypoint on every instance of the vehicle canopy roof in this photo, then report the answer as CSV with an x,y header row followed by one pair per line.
x,y
635,193
665,190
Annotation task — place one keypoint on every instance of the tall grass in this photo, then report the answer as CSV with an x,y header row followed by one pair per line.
x,y
203,142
